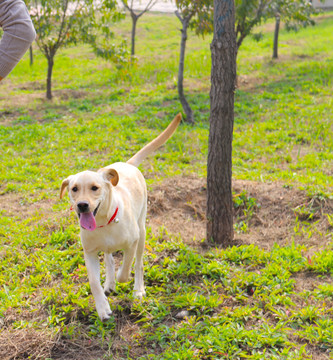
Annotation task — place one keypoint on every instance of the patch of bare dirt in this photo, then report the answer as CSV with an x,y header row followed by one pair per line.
x,y
26,343
37,95
120,110
19,344
42,343
39,343
179,204
66,94
248,82
24,100
81,349
309,281
15,205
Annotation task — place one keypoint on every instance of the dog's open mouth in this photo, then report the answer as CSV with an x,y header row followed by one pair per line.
x,y
87,220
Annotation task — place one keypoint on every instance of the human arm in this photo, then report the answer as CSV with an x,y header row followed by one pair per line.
x,y
18,34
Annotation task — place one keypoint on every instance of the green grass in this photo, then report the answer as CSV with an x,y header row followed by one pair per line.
x,y
243,302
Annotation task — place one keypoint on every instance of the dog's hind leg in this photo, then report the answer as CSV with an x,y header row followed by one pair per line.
x,y
125,269
139,288
110,281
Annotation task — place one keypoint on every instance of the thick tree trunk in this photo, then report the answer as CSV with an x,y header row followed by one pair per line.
x,y
219,166
187,109
276,36
134,21
49,77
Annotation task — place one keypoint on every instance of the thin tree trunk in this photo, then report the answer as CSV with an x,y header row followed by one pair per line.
x,y
219,166
187,108
49,77
276,36
31,55
134,21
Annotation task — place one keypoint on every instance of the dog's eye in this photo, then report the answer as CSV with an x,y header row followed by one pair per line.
x,y
94,188
75,189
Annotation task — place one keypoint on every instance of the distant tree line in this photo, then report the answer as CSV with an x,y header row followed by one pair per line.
x,y
60,23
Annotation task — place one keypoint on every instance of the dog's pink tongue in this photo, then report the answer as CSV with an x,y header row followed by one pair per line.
x,y
87,221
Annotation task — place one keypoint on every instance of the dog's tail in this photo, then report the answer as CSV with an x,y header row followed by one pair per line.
x,y
156,143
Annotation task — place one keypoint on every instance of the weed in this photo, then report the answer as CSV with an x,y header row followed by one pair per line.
x,y
245,207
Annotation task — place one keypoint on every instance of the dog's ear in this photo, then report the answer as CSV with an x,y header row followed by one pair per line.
x,y
63,187
110,175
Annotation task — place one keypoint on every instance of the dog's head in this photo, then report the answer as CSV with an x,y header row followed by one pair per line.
x,y
90,194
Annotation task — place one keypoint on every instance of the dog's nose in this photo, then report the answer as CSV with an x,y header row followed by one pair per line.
x,y
83,206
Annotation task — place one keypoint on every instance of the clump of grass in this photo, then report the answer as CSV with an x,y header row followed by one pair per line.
x,y
245,207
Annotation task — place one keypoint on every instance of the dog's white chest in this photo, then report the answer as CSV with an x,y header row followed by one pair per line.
x,y
106,239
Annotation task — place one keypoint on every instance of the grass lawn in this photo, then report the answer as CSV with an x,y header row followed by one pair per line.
x,y
269,296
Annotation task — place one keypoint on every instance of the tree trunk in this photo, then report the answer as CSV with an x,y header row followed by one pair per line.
x,y
183,101
276,36
49,77
134,21
219,166
31,55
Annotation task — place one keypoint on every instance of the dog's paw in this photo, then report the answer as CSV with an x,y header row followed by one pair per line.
x,y
105,317
109,291
139,294
122,278
110,288
103,310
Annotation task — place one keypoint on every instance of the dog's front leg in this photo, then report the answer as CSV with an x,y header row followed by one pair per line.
x,y
93,268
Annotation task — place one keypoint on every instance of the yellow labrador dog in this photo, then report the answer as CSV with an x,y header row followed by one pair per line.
x,y
111,205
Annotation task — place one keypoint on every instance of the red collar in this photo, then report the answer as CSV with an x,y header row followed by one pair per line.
x,y
112,219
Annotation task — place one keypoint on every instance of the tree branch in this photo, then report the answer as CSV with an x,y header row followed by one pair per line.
x,y
179,16
59,41
150,4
